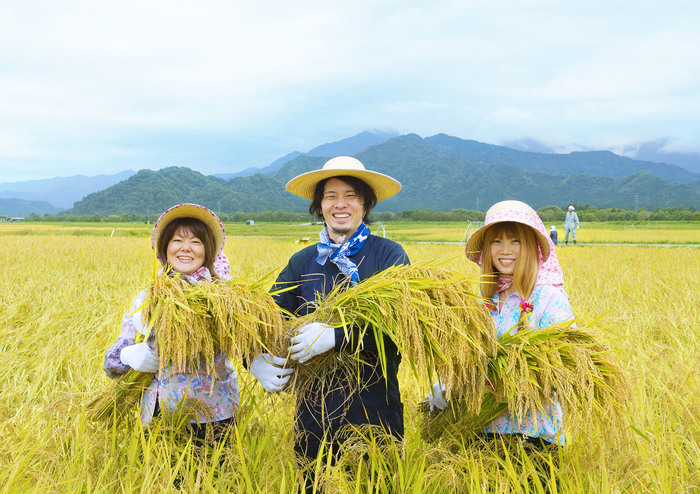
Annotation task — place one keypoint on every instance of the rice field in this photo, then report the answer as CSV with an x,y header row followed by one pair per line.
x,y
62,296
667,232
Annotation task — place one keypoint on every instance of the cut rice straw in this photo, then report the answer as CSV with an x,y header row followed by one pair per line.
x,y
194,322
191,325
431,313
536,366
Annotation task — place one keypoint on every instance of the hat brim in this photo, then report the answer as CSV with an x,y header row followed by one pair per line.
x,y
383,185
187,210
475,244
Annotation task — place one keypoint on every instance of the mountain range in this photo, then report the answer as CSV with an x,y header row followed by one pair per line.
x,y
440,172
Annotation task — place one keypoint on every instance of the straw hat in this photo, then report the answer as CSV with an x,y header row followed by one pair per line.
x,y
383,185
514,211
187,210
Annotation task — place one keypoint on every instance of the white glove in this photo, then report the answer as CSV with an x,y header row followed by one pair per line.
x,y
270,372
140,357
436,398
311,340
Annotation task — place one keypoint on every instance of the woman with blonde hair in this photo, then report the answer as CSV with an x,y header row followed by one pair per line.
x,y
523,287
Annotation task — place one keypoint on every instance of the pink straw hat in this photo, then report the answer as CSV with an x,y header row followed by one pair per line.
x,y
503,211
187,210
383,185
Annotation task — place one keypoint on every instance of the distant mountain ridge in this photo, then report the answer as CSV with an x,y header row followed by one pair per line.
x,y
435,174
59,192
345,147
602,163
22,207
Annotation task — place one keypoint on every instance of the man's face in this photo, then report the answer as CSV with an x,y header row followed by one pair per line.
x,y
342,208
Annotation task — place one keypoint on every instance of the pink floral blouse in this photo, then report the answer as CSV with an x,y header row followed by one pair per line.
x,y
550,305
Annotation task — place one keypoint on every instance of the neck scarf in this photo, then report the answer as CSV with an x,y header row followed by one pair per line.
x,y
202,274
338,254
221,268
505,281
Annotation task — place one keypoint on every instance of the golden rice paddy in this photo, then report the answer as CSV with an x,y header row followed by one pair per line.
x,y
62,297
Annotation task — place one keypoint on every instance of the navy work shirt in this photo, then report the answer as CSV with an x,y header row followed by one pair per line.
x,y
379,400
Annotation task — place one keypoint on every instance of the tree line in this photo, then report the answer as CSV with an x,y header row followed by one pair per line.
x,y
548,214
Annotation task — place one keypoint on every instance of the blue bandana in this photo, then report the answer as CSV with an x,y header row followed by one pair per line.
x,y
338,254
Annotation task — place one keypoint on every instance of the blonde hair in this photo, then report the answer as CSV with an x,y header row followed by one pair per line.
x,y
526,267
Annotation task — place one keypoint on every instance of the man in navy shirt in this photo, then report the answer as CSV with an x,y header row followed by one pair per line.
x,y
343,193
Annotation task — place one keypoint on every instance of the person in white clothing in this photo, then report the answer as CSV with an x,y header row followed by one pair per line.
x,y
571,223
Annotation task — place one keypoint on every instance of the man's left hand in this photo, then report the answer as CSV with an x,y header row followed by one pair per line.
x,y
311,340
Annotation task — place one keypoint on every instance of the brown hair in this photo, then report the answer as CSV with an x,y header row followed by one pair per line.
x,y
369,198
525,274
195,227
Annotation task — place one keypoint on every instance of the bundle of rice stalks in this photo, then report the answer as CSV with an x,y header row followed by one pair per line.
x,y
565,363
194,322
191,325
120,396
431,313
534,367
456,423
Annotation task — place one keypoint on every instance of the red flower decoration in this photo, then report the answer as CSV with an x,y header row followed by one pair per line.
x,y
490,305
526,306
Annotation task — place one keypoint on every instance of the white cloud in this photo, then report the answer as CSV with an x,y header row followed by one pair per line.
x,y
132,83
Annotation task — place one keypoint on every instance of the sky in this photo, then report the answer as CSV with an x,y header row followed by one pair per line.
x,y
91,88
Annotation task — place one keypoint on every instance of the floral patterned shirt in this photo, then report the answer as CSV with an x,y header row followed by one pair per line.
x,y
219,393
550,305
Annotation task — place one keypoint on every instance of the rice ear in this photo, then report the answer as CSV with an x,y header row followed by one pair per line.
x,y
431,313
191,325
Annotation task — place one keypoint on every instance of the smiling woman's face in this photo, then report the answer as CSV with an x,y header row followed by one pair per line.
x,y
186,252
505,250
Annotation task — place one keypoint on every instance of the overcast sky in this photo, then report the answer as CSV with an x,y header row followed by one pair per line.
x,y
92,87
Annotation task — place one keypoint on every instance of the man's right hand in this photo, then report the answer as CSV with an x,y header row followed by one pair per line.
x,y
270,372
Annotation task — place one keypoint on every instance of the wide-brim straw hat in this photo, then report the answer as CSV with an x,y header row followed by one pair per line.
x,y
188,210
383,185
514,211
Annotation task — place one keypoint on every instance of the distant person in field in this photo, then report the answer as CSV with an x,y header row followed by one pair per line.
x,y
571,223
554,235
342,193
188,239
523,286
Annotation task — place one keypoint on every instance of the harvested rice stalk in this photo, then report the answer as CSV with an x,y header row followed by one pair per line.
x,y
195,322
534,366
456,423
567,363
432,314
122,395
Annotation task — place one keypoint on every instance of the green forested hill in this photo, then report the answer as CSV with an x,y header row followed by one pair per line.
x,y
434,177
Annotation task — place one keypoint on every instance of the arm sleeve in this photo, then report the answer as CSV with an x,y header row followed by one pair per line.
x,y
131,325
287,300
557,309
353,343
